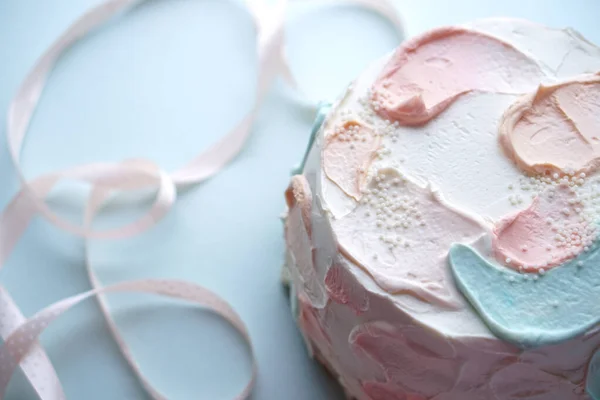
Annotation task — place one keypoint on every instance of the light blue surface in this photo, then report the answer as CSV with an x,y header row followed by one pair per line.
x,y
155,84
531,310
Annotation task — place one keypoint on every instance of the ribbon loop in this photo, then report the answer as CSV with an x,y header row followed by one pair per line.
x,y
20,335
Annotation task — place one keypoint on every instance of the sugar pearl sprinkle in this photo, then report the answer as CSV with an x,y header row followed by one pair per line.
x,y
395,212
350,132
367,112
584,205
531,186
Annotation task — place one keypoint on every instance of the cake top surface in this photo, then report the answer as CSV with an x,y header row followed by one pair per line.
x,y
459,178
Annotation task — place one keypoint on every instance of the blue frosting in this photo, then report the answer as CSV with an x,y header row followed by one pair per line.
x,y
322,111
593,377
556,306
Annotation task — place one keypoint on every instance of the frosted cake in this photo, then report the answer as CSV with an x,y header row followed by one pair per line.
x,y
441,232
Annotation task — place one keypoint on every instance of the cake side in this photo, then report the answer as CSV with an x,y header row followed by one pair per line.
x,y
380,203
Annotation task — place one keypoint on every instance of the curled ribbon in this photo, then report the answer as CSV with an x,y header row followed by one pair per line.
x,y
21,347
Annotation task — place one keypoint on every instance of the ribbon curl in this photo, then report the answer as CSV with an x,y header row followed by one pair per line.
x,y
21,347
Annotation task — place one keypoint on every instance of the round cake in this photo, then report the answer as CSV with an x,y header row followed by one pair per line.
x,y
441,232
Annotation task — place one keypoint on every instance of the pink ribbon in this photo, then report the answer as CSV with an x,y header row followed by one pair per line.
x,y
21,347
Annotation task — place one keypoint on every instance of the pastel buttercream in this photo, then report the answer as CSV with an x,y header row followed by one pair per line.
x,y
429,72
406,360
391,237
378,301
531,310
298,235
348,154
556,128
553,229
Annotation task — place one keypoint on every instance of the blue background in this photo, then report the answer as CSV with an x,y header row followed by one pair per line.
x,y
163,82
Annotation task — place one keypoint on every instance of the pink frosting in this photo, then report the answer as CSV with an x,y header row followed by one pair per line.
x,y
341,290
534,384
387,391
406,357
347,156
308,319
544,235
384,355
555,128
429,72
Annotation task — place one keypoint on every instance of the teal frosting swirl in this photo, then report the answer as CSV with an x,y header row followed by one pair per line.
x,y
531,310
322,110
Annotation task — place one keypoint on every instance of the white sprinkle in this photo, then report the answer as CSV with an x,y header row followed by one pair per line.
x,y
508,260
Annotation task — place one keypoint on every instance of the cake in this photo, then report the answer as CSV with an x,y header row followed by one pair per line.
x,y
441,232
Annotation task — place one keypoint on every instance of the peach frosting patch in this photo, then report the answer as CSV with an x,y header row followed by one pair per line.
x,y
429,72
347,155
555,128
